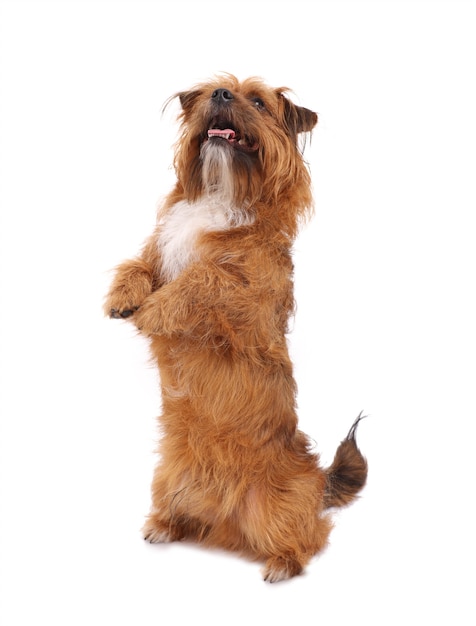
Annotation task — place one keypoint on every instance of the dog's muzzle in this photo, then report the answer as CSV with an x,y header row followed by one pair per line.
x,y
221,126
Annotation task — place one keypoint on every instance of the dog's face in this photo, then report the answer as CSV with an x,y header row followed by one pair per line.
x,y
240,139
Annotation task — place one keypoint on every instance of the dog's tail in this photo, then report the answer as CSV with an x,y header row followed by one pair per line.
x,y
348,473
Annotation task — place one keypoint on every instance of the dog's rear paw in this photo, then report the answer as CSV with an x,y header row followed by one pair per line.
x,y
281,568
155,535
158,531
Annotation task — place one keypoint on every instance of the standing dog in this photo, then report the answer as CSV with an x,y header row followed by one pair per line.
x,y
212,289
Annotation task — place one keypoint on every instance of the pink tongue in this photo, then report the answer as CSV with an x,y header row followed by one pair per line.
x,y
226,133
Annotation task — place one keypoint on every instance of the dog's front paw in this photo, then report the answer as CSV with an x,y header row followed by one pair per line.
x,y
148,317
123,301
120,304
131,286
124,314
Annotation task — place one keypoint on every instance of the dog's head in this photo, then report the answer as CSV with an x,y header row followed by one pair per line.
x,y
241,140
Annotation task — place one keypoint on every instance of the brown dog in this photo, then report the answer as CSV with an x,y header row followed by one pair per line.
x,y
213,291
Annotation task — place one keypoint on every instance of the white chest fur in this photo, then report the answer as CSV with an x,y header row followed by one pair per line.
x,y
184,223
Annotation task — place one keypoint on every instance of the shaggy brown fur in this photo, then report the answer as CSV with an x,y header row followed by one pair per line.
x,y
213,291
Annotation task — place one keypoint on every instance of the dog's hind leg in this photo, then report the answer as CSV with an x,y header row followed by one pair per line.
x,y
283,527
294,550
174,514
159,529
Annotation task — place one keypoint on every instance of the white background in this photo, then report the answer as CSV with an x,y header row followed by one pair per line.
x,y
385,285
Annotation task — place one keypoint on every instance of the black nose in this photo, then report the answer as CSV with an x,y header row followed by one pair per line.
x,y
220,96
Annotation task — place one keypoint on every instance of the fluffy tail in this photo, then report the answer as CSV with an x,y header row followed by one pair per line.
x,y
348,473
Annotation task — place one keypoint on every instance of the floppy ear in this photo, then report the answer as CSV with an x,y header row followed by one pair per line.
x,y
297,119
187,98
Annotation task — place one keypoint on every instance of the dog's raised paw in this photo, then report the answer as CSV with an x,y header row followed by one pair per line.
x,y
117,314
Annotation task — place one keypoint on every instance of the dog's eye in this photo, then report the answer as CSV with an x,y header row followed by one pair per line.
x,y
258,102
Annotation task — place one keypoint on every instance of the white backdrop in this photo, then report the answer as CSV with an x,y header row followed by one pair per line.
x,y
385,285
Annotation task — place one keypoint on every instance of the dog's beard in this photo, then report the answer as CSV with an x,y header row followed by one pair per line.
x,y
217,170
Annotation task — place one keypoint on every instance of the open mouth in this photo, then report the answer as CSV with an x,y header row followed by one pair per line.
x,y
225,131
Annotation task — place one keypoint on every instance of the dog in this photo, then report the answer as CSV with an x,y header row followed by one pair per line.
x,y
212,289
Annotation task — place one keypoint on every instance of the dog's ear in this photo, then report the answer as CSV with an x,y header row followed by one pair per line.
x,y
188,98
297,119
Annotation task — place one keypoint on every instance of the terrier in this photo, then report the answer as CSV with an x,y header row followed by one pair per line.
x,y
212,289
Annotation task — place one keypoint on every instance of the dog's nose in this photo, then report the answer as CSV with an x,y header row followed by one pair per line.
x,y
220,96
